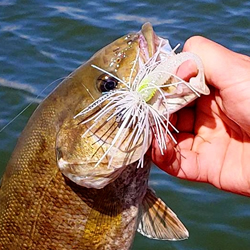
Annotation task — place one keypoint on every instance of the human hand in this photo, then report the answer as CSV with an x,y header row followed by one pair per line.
x,y
214,134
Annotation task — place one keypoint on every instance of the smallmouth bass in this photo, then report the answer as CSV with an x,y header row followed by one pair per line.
x,y
78,177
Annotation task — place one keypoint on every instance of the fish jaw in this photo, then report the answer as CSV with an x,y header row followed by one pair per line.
x,y
148,41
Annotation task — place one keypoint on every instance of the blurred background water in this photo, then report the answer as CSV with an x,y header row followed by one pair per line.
x,y
42,41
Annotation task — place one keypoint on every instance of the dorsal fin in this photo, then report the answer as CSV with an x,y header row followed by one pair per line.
x,y
157,221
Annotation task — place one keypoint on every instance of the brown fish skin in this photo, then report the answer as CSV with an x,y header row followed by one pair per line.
x,y
42,209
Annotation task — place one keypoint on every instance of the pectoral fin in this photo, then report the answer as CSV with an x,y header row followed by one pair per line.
x,y
157,221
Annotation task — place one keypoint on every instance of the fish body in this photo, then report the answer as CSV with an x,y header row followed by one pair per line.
x,y
56,193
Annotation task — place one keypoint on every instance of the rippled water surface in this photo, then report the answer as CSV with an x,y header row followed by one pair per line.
x,y
42,41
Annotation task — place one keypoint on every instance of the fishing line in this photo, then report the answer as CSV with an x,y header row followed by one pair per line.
x,y
13,119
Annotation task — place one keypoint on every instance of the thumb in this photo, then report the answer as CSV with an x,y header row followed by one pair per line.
x,y
219,62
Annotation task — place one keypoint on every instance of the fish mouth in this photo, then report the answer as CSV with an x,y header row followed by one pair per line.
x,y
157,49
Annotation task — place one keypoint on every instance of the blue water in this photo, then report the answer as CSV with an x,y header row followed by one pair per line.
x,y
42,41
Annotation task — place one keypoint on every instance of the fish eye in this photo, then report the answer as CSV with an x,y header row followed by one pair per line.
x,y
106,83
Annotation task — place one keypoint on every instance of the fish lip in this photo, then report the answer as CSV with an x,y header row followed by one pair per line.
x,y
148,41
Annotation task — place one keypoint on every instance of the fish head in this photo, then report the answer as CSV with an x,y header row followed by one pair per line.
x,y
130,88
